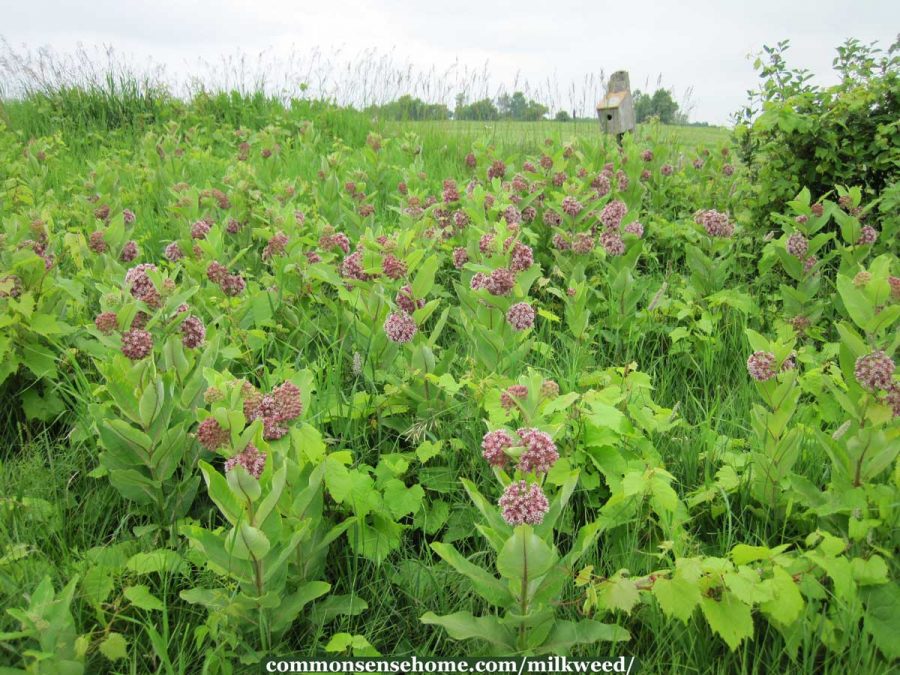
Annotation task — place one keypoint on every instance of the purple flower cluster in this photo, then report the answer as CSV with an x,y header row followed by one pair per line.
x,y
874,371
140,284
500,282
460,257
523,504
173,252
193,332
494,446
797,245
251,459
540,451
612,214
520,316
761,366
716,223
393,267
129,251
137,344
400,327
521,258
406,301
211,435
572,206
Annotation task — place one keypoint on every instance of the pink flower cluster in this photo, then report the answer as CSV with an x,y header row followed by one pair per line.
x,y
761,366
251,459
716,223
193,332
137,344
520,316
523,504
400,327
140,284
406,301
282,405
211,435
875,371
540,451
797,245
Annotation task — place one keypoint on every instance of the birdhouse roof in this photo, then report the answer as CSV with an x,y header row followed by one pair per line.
x,y
612,100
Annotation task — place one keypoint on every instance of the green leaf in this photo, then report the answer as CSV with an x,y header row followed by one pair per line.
x,y
525,555
424,280
464,626
882,620
566,634
114,647
729,618
677,596
485,584
141,597
402,500
247,542
619,592
160,561
787,603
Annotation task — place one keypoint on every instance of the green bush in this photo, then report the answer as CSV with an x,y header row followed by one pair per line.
x,y
793,133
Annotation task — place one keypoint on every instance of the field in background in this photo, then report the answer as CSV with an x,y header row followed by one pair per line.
x,y
532,134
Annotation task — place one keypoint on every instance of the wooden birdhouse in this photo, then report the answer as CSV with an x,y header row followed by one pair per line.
x,y
616,109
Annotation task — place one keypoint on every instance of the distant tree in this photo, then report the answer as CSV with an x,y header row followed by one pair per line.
x,y
562,116
481,111
517,107
408,108
660,104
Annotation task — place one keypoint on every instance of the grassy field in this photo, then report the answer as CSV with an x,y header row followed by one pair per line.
x,y
342,256
520,135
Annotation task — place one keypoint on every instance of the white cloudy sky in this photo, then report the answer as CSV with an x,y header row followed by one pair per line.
x,y
551,44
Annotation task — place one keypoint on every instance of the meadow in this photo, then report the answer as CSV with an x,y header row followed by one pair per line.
x,y
279,378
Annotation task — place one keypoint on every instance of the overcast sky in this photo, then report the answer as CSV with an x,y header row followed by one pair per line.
x,y
551,44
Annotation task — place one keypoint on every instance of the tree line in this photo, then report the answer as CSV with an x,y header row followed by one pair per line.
x,y
517,106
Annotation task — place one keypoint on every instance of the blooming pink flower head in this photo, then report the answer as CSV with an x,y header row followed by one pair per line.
x,y
612,242
698,163
601,184
510,394
529,167
211,435
451,192
647,155
635,228
667,170
497,169
312,257
522,257
233,285
140,320
106,322
137,344
216,271
400,327
460,257
546,162
572,206
173,252
583,243
540,451
479,281
520,316
288,401
251,459
622,178
809,262
817,209
200,229
275,246
797,245
561,243
867,235
512,215
494,445
97,243
500,282
728,169
460,219
528,214
715,223
892,399
874,371
142,287
559,178
406,301
393,267
761,366
470,160
894,283
612,214
845,201
193,332
129,251
551,218
486,244
523,504
128,216
352,267
646,175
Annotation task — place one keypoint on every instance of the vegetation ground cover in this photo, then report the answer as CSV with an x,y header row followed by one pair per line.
x,y
284,378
